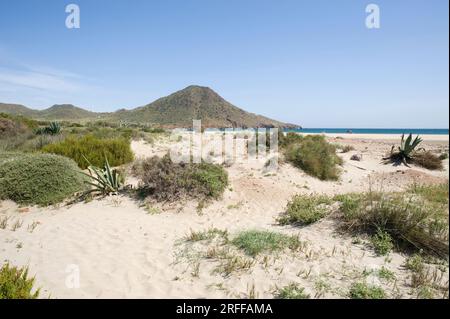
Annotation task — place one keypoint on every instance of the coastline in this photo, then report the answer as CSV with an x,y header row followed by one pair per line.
x,y
381,137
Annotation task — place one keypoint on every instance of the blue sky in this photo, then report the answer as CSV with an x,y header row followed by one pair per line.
x,y
310,62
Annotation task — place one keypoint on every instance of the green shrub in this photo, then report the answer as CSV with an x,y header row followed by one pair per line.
x,y
253,242
117,150
305,209
289,139
166,180
382,243
364,291
291,291
15,284
315,156
40,179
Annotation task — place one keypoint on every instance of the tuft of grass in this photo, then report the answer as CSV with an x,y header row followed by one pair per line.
x,y
40,179
409,220
206,234
437,194
314,155
231,263
15,284
254,242
165,180
117,150
291,291
305,209
382,243
362,290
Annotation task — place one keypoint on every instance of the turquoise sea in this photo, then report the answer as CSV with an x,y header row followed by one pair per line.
x,y
420,131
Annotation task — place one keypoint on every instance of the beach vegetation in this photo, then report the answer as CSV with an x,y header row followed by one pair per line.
x,y
291,291
165,180
117,150
410,220
315,156
254,242
305,209
40,179
104,180
362,290
409,153
16,284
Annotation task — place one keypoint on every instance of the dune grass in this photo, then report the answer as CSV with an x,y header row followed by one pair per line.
x,y
254,242
305,209
417,220
15,283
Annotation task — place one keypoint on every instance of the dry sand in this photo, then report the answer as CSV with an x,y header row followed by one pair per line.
x,y
123,249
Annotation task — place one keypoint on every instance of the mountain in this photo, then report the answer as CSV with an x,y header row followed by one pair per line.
x,y
175,110
196,102
66,112
56,112
17,109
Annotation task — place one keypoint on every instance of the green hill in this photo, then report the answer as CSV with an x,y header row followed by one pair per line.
x,y
195,102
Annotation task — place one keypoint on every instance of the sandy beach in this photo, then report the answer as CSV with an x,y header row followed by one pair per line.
x,y
122,248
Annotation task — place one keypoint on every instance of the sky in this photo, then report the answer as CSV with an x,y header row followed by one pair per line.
x,y
308,62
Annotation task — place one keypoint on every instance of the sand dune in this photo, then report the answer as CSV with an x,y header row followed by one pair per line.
x,y
123,251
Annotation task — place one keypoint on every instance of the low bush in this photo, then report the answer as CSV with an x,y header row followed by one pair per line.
x,y
15,284
315,156
117,150
253,242
305,209
40,179
166,180
362,290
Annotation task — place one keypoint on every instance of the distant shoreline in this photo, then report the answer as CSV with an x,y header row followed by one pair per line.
x,y
425,137
372,131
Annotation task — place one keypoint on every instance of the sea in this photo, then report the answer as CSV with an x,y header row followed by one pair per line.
x,y
418,131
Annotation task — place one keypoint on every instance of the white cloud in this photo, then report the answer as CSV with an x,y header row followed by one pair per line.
x,y
37,80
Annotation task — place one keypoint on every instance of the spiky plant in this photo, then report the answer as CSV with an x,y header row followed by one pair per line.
x,y
105,181
54,128
405,150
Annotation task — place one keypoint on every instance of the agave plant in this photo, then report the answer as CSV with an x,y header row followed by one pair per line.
x,y
105,181
54,128
405,150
